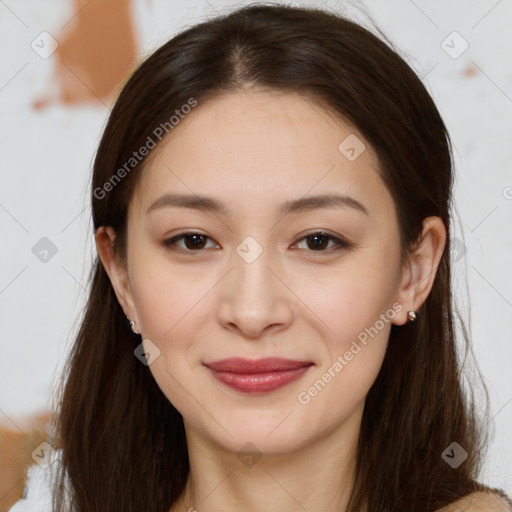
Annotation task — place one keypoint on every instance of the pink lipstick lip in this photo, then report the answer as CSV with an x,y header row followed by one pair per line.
x,y
248,366
260,376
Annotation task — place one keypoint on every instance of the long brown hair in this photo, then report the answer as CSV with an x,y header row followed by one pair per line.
x,y
123,443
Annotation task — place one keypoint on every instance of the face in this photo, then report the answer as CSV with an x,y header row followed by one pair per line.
x,y
263,270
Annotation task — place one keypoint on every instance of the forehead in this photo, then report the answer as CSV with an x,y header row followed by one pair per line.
x,y
258,147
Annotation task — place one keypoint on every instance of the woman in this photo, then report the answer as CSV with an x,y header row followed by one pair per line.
x,y
270,323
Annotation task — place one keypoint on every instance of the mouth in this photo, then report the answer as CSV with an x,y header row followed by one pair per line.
x,y
257,376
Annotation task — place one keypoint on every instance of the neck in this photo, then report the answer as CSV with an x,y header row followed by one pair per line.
x,y
316,477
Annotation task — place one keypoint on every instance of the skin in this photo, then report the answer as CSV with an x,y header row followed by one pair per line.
x,y
254,150
479,502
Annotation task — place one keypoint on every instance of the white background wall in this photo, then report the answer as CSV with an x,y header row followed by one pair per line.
x,y
46,156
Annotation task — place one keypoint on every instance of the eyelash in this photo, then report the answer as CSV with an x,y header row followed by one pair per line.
x,y
171,242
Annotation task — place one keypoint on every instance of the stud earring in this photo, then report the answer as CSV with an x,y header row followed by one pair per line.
x,y
411,315
132,325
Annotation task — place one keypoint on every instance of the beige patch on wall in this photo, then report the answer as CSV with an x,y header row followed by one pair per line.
x,y
96,54
17,442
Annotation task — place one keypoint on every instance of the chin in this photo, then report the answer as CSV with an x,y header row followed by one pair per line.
x,y
269,433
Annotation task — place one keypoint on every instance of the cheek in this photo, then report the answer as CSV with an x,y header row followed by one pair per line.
x,y
355,305
359,319
165,295
350,300
171,307
358,314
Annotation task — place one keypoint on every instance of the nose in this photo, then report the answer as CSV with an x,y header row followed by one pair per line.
x,y
255,299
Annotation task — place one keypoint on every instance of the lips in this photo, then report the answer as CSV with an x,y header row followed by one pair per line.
x,y
257,376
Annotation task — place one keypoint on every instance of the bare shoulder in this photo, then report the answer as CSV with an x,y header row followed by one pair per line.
x,y
485,501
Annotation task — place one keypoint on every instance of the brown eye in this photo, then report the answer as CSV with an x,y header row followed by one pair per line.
x,y
192,242
319,242
195,242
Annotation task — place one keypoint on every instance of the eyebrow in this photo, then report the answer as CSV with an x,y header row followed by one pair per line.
x,y
304,204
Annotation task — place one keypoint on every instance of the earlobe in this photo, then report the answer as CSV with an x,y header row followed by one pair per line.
x,y
421,268
116,269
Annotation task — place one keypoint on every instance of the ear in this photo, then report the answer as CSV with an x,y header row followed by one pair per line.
x,y
116,270
419,271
